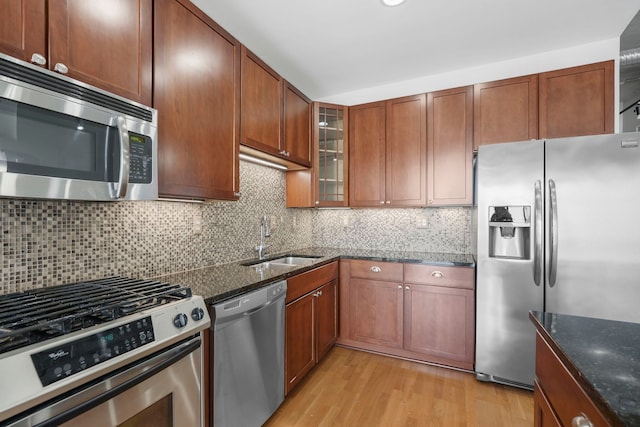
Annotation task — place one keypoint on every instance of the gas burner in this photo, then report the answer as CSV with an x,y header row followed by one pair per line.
x,y
41,314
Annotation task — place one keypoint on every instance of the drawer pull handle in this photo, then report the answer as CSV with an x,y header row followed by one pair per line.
x,y
375,269
581,421
437,274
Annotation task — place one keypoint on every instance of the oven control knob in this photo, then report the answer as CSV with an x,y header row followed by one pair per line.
x,y
197,314
180,321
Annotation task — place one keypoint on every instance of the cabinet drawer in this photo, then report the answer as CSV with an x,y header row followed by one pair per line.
x,y
306,282
452,277
565,395
376,270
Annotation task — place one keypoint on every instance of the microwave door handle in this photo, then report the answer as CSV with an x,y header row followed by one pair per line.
x,y
123,180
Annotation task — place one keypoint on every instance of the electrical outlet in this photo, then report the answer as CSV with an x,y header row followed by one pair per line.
x,y
197,224
421,222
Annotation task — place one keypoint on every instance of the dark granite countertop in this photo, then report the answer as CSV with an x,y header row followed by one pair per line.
x,y
603,356
218,283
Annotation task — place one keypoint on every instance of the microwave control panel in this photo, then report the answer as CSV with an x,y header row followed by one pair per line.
x,y
140,158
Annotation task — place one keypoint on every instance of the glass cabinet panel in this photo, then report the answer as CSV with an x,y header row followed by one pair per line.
x,y
332,160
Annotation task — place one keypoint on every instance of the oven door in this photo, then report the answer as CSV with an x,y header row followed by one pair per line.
x,y
161,390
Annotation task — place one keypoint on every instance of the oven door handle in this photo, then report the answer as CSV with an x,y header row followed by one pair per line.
x,y
167,359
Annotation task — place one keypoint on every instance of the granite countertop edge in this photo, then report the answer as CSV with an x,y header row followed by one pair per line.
x,y
583,378
222,282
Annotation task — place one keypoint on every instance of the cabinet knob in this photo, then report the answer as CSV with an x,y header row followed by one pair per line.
x,y
284,153
388,202
382,202
237,194
581,421
61,68
407,288
375,269
317,202
38,59
437,274
399,286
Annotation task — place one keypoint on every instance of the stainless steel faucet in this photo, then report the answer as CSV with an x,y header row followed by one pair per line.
x,y
265,231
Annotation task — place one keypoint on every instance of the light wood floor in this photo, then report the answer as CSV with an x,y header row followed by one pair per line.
x,y
354,388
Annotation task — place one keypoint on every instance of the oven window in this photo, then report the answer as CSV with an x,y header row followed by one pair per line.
x,y
37,141
160,414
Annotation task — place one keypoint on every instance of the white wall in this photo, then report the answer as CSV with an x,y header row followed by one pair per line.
x,y
585,54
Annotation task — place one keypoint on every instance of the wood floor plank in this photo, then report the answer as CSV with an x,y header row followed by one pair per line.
x,y
355,388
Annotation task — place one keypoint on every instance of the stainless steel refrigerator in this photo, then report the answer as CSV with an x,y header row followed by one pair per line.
x,y
558,230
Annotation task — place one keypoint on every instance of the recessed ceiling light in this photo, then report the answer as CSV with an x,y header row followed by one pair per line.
x,y
392,2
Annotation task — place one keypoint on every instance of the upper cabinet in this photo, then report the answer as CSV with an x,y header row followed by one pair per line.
x,y
261,105
505,111
387,153
449,147
196,92
326,183
276,117
297,126
577,101
105,44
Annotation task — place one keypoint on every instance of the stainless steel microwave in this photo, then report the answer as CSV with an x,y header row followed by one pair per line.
x,y
64,139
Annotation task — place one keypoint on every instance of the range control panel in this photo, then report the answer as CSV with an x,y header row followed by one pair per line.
x,y
62,361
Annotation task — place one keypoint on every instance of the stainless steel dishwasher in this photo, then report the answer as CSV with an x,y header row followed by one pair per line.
x,y
248,357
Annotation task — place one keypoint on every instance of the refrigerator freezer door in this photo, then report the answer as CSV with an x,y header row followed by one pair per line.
x,y
507,176
597,179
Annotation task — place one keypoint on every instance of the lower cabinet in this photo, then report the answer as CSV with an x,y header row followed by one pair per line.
x,y
311,325
558,398
418,311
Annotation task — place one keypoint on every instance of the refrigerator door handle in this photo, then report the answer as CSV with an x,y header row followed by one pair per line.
x,y
553,233
537,236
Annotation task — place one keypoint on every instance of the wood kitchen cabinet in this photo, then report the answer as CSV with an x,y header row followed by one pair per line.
x,y
196,93
275,116
449,147
559,400
577,101
414,311
505,111
388,153
261,104
311,321
105,44
297,126
326,183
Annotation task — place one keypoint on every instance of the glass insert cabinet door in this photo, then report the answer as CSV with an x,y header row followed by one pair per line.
x,y
332,157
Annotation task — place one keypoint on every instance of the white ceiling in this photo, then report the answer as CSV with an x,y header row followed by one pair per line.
x,y
330,47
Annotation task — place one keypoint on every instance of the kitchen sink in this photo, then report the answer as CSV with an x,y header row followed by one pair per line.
x,y
283,263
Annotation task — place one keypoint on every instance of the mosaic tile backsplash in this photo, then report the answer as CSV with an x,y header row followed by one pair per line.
x,y
445,230
53,242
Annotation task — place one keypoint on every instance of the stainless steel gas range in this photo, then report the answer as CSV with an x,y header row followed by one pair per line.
x,y
108,352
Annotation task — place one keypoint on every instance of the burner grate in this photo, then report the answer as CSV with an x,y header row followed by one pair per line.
x,y
41,314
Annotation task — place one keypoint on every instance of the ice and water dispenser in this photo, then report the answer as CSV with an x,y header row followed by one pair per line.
x,y
509,232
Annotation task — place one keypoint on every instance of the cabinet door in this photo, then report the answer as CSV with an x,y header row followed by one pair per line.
x,y
106,44
300,350
297,126
543,415
367,155
375,313
577,101
406,151
327,317
439,321
197,98
261,105
23,28
450,152
505,111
